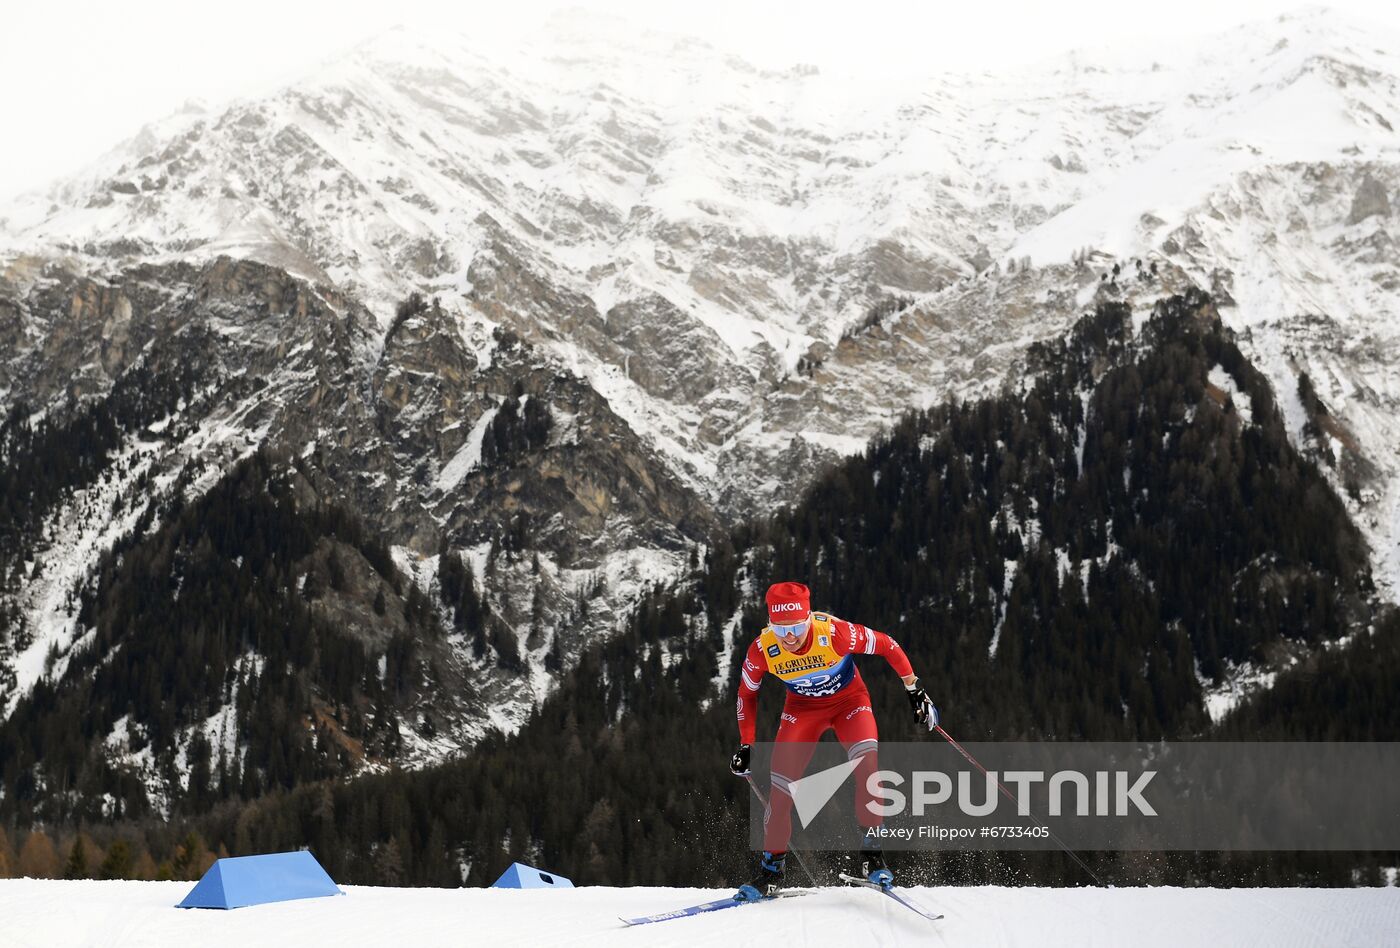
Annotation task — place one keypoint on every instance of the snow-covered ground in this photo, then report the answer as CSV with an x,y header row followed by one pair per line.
x,y
59,914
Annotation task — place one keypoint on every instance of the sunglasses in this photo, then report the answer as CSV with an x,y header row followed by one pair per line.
x,y
795,628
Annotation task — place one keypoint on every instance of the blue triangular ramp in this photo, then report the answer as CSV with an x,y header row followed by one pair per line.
x,y
253,880
207,892
521,876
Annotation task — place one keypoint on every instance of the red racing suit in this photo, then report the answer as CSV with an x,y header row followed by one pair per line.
x,y
825,692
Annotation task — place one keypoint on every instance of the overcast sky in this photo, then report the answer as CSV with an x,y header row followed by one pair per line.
x,y
79,77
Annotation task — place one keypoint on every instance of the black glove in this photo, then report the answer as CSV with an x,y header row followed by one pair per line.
x,y
739,763
924,711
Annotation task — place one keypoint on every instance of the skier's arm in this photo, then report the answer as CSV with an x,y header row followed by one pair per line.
x,y
852,638
750,676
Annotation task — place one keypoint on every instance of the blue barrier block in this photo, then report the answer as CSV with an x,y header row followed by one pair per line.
x,y
253,880
521,876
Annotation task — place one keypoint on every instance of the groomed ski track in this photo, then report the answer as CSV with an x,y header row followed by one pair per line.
x,y
56,914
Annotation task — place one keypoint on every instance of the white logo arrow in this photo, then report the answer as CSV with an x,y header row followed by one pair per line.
x,y
812,792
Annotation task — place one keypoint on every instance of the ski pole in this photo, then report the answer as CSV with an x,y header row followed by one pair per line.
x,y
1007,793
796,852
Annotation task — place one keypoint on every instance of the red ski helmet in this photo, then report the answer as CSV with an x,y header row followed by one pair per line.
x,y
788,603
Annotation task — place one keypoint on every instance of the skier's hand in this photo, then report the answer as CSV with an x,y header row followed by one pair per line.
x,y
924,711
739,763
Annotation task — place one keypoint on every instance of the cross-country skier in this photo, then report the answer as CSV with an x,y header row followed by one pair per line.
x,y
813,654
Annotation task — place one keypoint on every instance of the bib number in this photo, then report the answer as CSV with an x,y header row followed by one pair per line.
x,y
819,686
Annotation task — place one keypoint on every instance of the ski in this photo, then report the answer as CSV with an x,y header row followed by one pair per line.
x,y
855,880
703,907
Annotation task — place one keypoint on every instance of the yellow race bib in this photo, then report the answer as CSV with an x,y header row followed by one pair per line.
x,y
820,671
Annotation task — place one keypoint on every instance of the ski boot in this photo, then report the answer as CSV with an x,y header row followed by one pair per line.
x,y
870,865
766,884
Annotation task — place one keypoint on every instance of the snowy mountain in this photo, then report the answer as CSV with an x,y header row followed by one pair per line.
x,y
713,278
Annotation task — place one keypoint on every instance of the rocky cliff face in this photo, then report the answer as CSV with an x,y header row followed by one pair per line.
x,y
446,439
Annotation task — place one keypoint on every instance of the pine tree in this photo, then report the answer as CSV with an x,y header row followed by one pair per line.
x,y
188,854
8,859
144,867
77,865
38,859
389,863
118,864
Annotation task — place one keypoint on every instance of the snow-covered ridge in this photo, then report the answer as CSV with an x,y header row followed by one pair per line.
x,y
598,190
